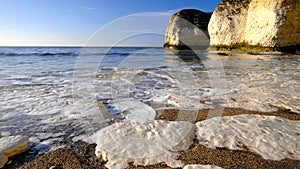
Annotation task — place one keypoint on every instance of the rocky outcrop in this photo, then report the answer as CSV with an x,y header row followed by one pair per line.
x,y
259,134
187,29
3,160
10,146
255,24
144,143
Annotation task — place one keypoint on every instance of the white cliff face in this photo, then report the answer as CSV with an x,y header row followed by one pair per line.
x,y
263,29
267,23
187,28
227,23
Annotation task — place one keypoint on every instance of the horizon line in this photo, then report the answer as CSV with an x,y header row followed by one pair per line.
x,y
78,46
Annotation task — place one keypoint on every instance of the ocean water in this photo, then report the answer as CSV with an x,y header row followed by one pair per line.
x,y
56,95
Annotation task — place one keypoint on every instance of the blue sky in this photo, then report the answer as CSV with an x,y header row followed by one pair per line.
x,y
73,22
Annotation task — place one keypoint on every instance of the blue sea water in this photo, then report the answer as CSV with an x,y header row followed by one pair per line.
x,y
38,85
49,93
22,65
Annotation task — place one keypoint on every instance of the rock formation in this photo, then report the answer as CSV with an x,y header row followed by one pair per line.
x,y
10,146
187,29
144,143
3,160
269,136
259,24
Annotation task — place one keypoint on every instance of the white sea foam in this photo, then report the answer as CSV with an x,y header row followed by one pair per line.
x,y
134,110
45,100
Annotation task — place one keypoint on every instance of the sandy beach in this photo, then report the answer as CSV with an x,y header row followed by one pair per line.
x,y
82,155
150,84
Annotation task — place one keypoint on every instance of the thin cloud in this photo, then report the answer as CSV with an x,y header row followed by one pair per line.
x,y
87,8
173,11
149,14
69,16
138,31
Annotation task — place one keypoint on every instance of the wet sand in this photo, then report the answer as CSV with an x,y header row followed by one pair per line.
x,y
199,115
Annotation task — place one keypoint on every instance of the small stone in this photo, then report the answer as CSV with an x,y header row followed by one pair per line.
x,y
41,153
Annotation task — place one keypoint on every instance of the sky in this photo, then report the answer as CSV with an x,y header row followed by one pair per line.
x,y
77,22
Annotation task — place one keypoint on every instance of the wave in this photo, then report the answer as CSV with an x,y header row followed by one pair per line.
x,y
12,54
59,54
107,54
110,53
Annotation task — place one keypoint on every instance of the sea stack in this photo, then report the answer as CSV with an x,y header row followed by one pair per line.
x,y
188,29
256,24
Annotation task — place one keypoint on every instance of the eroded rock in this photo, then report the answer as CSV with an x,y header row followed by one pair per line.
x,y
188,29
269,24
10,146
144,143
269,136
13,145
3,160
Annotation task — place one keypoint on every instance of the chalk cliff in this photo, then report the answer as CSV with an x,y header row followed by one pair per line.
x,y
187,29
255,24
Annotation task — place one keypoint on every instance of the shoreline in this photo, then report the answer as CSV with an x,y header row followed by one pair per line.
x,y
82,155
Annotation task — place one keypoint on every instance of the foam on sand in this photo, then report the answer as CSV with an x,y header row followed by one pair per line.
x,y
3,160
13,145
269,136
199,166
144,143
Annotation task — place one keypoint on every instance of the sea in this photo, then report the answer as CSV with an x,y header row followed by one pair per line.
x,y
58,95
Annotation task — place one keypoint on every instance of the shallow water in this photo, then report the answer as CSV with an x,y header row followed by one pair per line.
x,y
54,95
